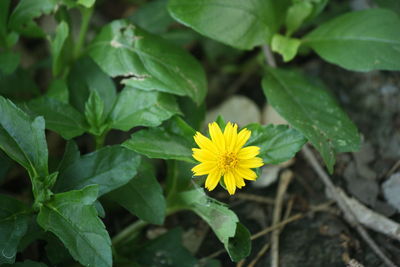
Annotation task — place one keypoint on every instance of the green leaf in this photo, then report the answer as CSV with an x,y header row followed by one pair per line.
x,y
361,41
239,246
23,139
86,3
221,219
194,115
58,90
86,76
166,250
60,117
56,46
109,167
72,217
278,143
4,9
27,263
240,23
135,107
78,3
296,14
71,154
14,221
6,163
22,18
94,113
147,61
18,85
56,252
153,17
394,5
163,144
285,46
309,108
9,62
142,196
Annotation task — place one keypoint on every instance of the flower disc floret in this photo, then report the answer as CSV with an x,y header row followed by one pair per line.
x,y
223,155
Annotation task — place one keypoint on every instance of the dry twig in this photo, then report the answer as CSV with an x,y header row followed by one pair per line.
x,y
349,215
285,180
293,218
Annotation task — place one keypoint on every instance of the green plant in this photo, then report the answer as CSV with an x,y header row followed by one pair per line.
x,y
163,93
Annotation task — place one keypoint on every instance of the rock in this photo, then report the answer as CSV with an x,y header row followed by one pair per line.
x,y
391,190
268,176
270,115
238,109
365,190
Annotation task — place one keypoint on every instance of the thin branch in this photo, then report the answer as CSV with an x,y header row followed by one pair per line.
x,y
284,182
269,56
293,218
349,215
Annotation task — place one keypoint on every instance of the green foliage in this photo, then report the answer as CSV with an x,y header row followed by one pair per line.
x,y
221,219
57,45
174,142
23,139
394,5
142,195
9,62
109,167
94,113
153,17
27,263
307,106
60,117
278,143
14,220
285,46
297,14
122,83
22,18
148,62
222,20
346,40
165,250
85,77
135,107
72,217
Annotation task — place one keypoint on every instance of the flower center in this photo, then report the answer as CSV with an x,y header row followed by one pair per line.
x,y
227,161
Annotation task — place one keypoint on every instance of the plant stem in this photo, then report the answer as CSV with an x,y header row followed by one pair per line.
x,y
86,16
128,232
99,140
269,57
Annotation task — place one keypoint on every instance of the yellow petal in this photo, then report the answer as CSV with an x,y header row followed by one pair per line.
x,y
246,173
213,179
251,163
205,143
230,182
239,181
230,134
248,152
217,136
242,138
203,155
203,168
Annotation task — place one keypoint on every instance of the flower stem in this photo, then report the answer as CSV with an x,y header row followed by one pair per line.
x,y
86,16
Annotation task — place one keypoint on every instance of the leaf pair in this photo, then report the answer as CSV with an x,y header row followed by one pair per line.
x,y
95,106
70,215
362,40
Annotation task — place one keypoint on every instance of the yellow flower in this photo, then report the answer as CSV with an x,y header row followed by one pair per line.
x,y
224,155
